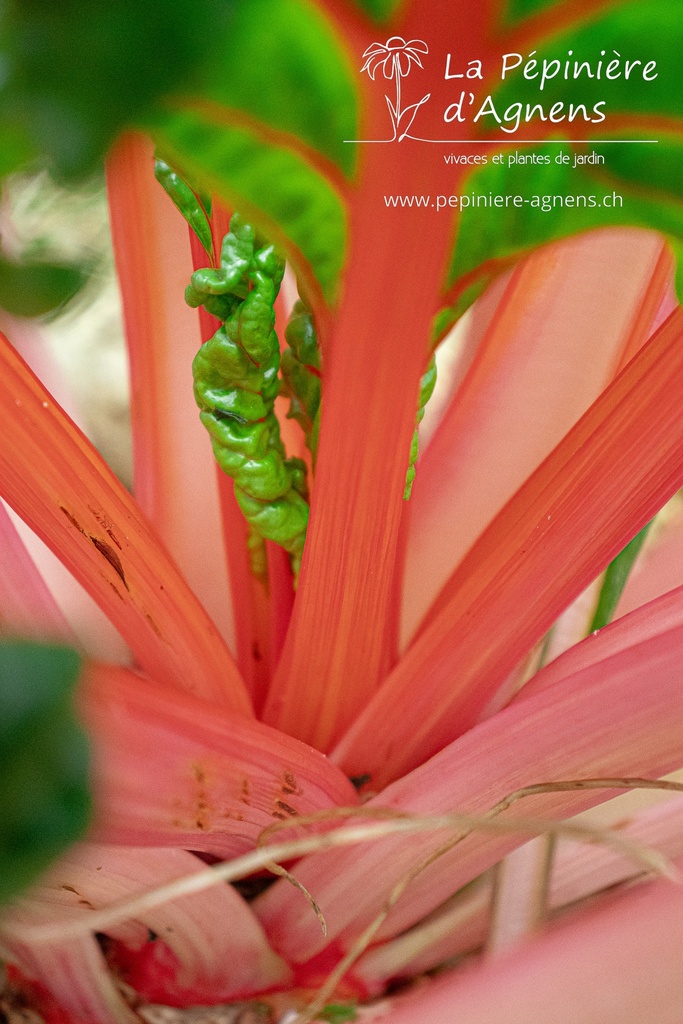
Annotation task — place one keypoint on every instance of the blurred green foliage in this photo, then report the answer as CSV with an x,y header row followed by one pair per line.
x,y
379,10
32,289
78,71
282,64
518,10
44,761
642,30
501,233
72,75
648,176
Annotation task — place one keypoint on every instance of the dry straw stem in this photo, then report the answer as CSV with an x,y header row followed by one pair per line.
x,y
277,869
608,836
392,823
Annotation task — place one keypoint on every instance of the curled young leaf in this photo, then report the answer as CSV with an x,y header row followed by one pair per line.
x,y
193,207
301,374
236,383
427,385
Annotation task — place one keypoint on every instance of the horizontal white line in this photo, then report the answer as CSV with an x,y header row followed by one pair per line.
x,y
518,142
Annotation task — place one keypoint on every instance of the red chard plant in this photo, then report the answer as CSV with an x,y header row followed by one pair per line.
x,y
399,584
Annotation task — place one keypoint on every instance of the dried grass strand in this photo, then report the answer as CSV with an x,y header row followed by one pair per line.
x,y
391,823
360,945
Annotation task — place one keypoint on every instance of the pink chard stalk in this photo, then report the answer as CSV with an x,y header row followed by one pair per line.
x,y
339,780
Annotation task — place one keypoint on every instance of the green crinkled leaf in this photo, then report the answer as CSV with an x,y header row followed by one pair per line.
x,y
32,289
44,795
80,70
283,64
502,234
379,10
253,175
186,201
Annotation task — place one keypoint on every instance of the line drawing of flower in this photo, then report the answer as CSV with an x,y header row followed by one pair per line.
x,y
395,57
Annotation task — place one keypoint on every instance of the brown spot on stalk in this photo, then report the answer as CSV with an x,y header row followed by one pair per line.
x,y
106,522
233,816
245,794
70,888
286,808
108,552
153,624
72,519
202,810
290,785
